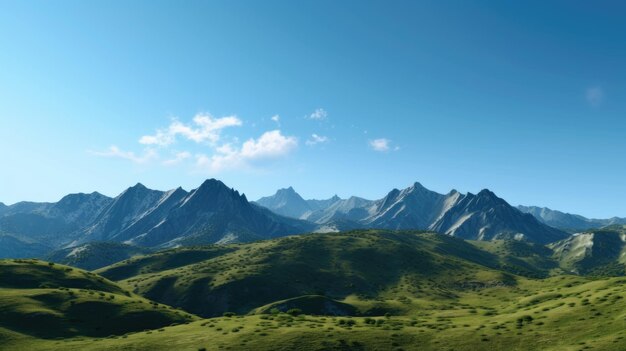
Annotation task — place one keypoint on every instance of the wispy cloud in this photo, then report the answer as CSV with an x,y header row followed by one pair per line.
x,y
594,95
205,128
318,114
178,158
212,152
270,145
316,139
114,151
381,145
276,118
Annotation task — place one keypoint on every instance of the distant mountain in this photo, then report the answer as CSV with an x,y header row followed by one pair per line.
x,y
95,255
126,209
413,207
567,221
286,202
353,209
481,217
317,205
129,212
12,247
141,216
51,222
485,216
214,213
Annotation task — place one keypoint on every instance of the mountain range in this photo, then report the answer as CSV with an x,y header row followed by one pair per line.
x,y
482,216
215,213
212,213
568,221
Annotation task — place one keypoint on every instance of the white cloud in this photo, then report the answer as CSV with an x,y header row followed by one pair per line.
x,y
178,158
114,151
318,114
269,145
205,128
594,96
316,139
381,145
213,152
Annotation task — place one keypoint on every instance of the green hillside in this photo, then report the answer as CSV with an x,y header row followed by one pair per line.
x,y
375,270
361,290
45,300
561,313
598,252
522,258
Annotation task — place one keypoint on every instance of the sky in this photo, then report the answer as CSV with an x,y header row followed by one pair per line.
x,y
526,98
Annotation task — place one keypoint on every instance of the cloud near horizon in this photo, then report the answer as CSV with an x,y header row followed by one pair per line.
x,y
205,128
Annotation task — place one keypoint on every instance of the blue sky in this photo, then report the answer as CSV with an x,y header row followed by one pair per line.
x,y
527,98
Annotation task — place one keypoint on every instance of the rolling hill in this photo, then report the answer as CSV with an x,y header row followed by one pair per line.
x,y
369,265
595,252
46,301
361,290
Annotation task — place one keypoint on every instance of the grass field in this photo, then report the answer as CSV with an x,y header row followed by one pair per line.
x,y
440,294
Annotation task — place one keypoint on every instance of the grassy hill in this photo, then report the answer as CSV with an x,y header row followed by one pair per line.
x,y
560,313
46,300
372,269
522,258
598,252
361,290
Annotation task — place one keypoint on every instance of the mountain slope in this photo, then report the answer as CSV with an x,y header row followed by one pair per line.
x,y
12,247
95,255
50,223
286,202
211,213
485,216
215,213
353,209
124,211
596,252
412,208
482,217
317,205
